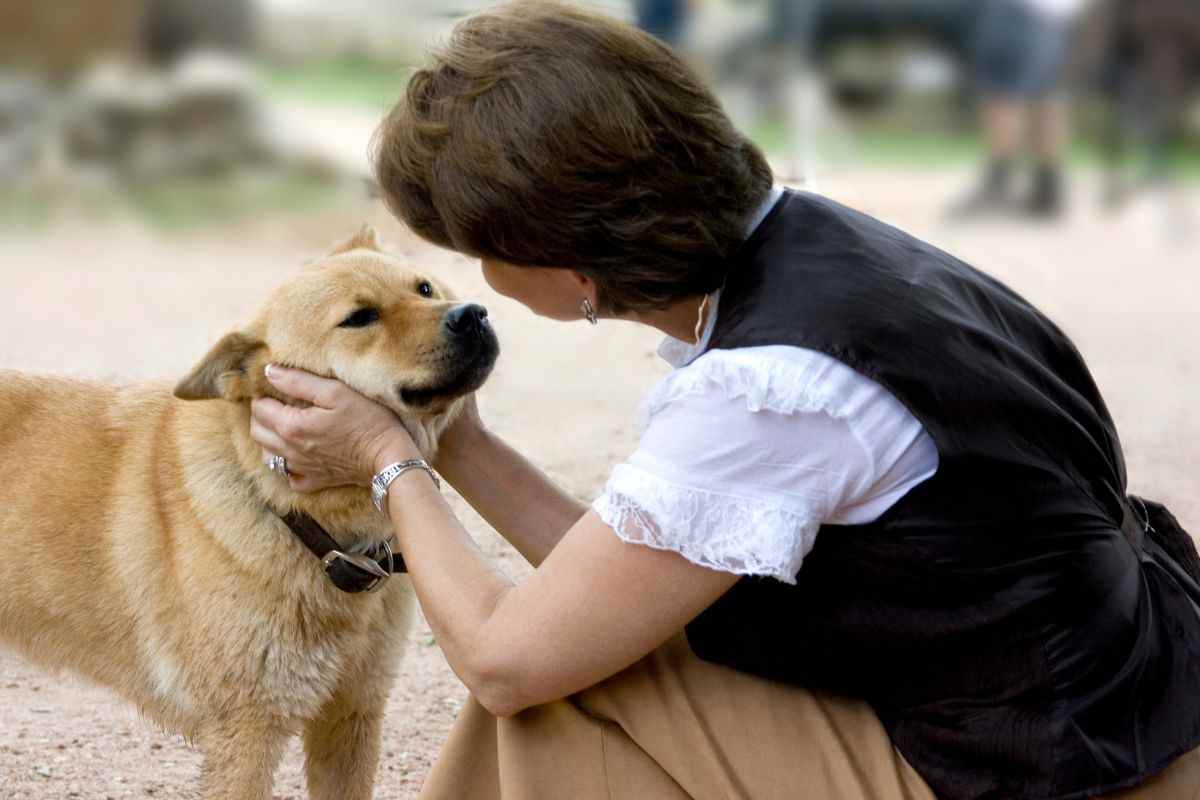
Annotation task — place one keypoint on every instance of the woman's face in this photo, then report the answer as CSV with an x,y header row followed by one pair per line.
x,y
548,292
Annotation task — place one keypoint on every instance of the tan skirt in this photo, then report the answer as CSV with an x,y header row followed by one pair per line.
x,y
673,726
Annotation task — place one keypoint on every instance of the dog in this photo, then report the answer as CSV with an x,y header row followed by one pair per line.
x,y
146,547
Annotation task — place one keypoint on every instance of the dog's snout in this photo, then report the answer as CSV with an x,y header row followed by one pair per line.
x,y
466,319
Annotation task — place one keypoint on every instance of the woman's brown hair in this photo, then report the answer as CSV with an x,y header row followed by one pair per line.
x,y
547,135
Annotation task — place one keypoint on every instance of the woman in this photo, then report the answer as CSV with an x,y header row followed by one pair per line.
x,y
880,492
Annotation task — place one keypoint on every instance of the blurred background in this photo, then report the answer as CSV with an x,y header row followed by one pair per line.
x,y
188,112
164,163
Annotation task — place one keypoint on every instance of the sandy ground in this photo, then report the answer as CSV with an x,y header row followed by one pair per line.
x,y
123,303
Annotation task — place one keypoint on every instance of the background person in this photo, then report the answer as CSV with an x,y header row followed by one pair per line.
x,y
1019,50
666,19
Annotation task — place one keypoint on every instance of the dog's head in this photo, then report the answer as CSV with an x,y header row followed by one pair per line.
x,y
386,329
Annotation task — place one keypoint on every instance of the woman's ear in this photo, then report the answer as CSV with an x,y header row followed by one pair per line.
x,y
586,285
230,371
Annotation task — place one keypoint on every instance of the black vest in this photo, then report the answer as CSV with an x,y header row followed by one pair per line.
x,y
1021,627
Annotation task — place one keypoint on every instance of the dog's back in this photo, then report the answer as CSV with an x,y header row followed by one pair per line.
x,y
62,444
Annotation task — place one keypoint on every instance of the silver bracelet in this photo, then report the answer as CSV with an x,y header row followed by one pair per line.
x,y
381,482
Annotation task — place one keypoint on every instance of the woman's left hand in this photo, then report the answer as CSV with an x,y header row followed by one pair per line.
x,y
343,439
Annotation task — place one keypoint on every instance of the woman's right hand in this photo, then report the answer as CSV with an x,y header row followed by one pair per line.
x,y
511,494
458,440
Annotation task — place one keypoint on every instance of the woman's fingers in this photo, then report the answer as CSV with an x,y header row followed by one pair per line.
x,y
305,386
305,484
271,442
339,440
274,445
284,420
278,429
298,480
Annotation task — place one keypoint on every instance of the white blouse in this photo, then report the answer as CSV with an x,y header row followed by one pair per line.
x,y
745,453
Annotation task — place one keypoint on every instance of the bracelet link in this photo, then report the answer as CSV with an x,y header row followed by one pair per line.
x,y
384,478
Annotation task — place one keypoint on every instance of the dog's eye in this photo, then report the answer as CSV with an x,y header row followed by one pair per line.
x,y
361,318
426,289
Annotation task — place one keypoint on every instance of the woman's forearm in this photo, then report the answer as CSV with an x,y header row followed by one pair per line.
x,y
515,497
457,587
594,607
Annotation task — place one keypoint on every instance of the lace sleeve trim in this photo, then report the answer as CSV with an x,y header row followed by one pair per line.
x,y
771,384
728,533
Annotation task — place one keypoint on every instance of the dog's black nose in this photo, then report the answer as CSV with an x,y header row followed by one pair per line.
x,y
466,319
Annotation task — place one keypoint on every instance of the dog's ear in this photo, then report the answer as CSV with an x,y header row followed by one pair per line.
x,y
229,371
366,239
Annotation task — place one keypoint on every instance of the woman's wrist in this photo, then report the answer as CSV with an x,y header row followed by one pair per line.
x,y
460,441
392,449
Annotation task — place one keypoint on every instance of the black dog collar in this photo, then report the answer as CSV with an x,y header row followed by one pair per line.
x,y
352,573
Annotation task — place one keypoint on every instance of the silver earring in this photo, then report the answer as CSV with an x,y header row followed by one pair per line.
x,y
589,313
700,319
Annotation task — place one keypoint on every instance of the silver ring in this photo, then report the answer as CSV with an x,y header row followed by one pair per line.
x,y
279,465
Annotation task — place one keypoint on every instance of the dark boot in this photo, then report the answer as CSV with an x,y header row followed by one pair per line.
x,y
1047,197
992,194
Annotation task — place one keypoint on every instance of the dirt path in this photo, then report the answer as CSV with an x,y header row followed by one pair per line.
x,y
123,304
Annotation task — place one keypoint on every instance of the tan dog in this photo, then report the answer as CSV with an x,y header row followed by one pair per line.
x,y
143,546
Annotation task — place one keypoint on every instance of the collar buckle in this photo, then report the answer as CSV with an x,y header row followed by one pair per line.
x,y
378,574
350,572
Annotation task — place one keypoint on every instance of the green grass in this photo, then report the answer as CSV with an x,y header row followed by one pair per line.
x,y
347,80
880,146
23,210
175,205
916,149
885,146
359,82
193,202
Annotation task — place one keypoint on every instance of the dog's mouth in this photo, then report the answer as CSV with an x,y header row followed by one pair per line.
x,y
471,371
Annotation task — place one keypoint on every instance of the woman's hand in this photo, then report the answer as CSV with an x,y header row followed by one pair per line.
x,y
460,440
343,439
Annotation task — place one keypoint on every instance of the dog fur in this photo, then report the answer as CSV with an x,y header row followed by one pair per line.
x,y
143,548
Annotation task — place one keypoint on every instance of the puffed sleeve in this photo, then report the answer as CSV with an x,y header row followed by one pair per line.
x,y
743,455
